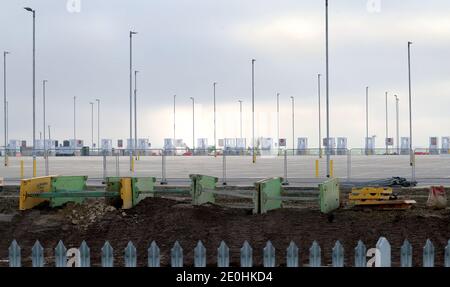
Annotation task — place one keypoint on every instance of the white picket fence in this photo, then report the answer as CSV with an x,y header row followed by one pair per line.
x,y
380,256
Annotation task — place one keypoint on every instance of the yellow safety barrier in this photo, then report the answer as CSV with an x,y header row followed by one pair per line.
x,y
34,167
331,168
317,168
132,164
126,193
21,169
33,185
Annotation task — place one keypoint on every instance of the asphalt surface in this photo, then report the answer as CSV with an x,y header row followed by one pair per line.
x,y
429,170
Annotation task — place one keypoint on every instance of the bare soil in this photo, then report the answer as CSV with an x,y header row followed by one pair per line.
x,y
167,220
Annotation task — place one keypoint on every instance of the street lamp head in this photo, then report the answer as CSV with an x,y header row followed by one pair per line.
x,y
253,60
132,33
98,100
28,9
6,53
410,43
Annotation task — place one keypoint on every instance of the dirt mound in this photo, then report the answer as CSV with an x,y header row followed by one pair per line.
x,y
167,220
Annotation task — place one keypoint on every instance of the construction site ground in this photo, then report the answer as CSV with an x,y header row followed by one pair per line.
x,y
166,220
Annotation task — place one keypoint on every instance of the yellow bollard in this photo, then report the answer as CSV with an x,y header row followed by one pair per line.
x,y
126,193
21,169
34,167
331,168
132,164
317,168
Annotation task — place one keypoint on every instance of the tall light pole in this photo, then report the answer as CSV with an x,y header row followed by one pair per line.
x,y
193,125
396,111
411,152
367,121
327,89
92,124
214,95
320,123
74,123
240,118
135,113
174,102
387,125
49,135
293,127
7,121
4,104
98,124
34,87
278,120
131,98
43,96
253,111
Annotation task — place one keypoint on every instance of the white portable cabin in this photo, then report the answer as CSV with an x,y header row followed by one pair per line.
x,y
369,147
342,147
302,146
445,145
331,144
434,145
404,147
266,146
202,146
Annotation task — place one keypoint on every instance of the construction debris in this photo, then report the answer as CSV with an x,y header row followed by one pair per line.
x,y
390,182
437,198
378,197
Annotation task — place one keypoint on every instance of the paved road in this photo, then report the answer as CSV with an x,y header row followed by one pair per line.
x,y
430,169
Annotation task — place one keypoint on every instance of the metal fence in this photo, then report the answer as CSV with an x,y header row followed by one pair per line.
x,y
380,256
347,164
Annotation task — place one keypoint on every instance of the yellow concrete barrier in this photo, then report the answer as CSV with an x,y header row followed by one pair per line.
x,y
34,167
331,168
21,169
33,185
317,168
126,193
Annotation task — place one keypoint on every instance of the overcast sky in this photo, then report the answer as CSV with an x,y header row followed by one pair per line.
x,y
183,46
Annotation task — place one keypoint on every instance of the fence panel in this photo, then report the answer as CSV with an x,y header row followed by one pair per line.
x,y
223,255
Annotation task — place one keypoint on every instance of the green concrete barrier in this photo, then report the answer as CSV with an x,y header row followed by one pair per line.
x,y
329,195
142,187
268,195
199,186
64,184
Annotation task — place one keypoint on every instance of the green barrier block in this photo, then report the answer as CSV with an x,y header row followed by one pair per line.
x,y
198,184
268,195
113,183
142,187
329,195
67,183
